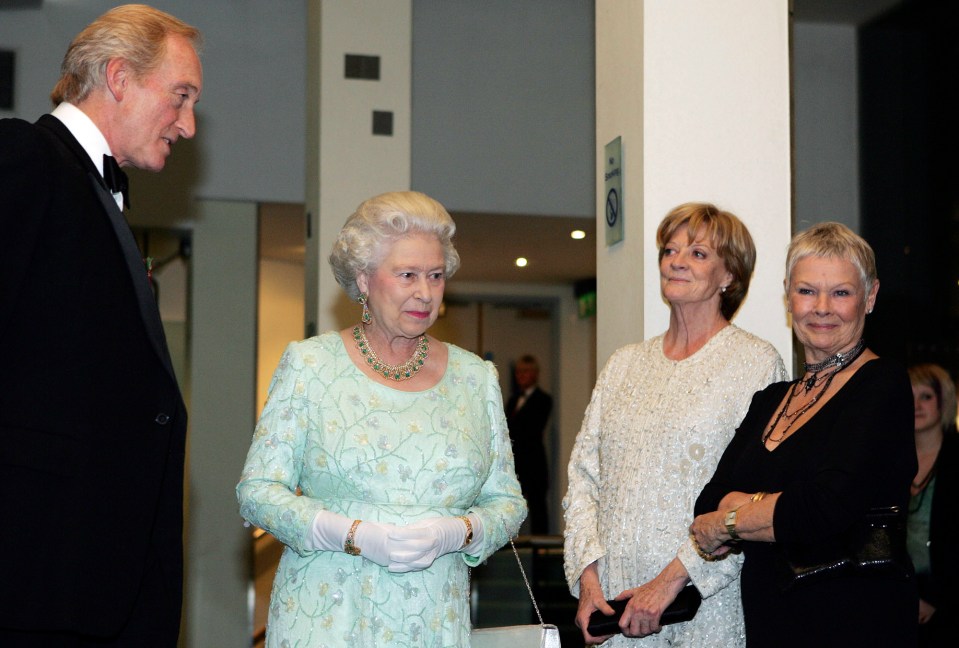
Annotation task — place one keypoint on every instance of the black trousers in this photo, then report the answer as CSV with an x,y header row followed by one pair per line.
x,y
154,623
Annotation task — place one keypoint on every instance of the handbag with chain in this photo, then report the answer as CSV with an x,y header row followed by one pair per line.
x,y
541,635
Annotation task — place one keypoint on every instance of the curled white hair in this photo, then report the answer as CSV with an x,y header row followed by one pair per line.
x,y
363,242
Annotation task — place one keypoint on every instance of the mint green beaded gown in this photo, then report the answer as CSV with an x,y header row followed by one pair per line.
x,y
367,451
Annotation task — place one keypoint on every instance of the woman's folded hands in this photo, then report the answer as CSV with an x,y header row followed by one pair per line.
x,y
401,549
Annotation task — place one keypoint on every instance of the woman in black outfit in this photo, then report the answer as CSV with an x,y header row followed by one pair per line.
x,y
812,459
935,490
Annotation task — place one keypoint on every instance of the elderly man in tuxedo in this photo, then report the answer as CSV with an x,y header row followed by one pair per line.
x,y
92,423
527,412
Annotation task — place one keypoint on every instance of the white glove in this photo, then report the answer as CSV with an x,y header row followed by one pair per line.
x,y
417,545
328,533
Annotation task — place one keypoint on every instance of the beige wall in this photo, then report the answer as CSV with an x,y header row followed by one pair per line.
x,y
279,318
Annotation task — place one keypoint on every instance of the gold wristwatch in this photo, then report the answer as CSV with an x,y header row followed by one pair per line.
x,y
730,522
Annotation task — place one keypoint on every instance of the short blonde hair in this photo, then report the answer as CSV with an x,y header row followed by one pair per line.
x,y
377,222
727,234
134,32
837,241
938,379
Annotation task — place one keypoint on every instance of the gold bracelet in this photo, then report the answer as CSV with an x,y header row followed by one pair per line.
x,y
708,557
758,496
469,531
349,545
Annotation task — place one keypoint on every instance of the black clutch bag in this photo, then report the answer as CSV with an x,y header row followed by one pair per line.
x,y
683,608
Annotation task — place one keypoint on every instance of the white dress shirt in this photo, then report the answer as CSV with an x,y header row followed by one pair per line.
x,y
88,135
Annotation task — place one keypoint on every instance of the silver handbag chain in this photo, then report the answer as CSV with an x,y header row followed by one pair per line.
x,y
469,581
526,580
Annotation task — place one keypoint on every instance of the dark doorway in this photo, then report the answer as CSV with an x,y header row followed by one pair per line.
x,y
909,64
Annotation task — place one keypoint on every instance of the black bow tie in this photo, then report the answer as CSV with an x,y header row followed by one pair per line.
x,y
116,179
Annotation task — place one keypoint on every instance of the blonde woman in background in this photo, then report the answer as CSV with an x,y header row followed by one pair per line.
x,y
933,497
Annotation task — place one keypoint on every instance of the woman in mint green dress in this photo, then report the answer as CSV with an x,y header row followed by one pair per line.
x,y
382,459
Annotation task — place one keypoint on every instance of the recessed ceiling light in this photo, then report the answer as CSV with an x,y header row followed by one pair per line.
x,y
521,262
577,234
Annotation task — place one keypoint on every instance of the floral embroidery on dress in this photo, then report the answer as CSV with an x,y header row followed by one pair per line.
x,y
371,452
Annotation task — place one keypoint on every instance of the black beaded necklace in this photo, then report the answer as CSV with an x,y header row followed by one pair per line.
x,y
840,361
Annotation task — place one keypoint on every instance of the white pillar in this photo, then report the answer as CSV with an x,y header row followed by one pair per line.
x,y
346,162
699,92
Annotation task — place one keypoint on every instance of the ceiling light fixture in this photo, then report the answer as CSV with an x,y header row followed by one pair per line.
x,y
521,262
577,234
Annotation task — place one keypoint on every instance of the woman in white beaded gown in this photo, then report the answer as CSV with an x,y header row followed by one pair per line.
x,y
384,481
661,414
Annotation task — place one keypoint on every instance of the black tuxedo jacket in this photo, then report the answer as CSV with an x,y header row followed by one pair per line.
x,y
527,426
92,423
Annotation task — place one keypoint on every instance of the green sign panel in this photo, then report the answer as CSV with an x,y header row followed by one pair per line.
x,y
614,192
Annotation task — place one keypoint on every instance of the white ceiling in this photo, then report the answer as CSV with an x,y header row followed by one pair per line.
x,y
488,245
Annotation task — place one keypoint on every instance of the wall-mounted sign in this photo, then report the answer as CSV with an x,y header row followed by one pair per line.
x,y
614,192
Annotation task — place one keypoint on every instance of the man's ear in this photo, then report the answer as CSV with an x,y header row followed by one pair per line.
x,y
117,77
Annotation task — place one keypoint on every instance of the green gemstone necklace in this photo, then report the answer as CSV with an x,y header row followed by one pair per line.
x,y
398,373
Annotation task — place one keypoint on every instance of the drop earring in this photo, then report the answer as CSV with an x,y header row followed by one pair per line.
x,y
366,318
